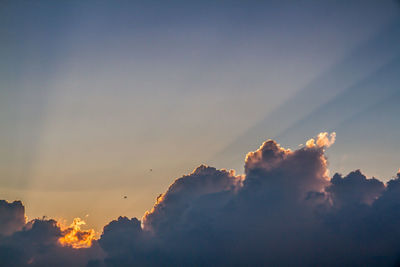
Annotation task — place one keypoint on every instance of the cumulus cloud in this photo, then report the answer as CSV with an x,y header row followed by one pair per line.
x,y
12,217
354,189
323,139
41,242
74,236
285,210
184,193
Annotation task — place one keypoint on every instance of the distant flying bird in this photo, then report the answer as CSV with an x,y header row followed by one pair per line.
x,y
125,197
151,170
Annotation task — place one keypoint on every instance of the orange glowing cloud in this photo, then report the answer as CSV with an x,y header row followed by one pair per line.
x,y
73,236
323,140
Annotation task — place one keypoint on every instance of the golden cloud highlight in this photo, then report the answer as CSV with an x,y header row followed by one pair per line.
x,y
323,140
73,236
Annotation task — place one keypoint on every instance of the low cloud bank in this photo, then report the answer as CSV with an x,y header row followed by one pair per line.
x,y
285,210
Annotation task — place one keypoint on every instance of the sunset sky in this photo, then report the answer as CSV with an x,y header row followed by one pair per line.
x,y
99,100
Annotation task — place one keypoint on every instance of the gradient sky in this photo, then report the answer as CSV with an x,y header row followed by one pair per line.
x,y
94,94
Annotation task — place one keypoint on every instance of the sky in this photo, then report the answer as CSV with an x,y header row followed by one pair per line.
x,y
100,100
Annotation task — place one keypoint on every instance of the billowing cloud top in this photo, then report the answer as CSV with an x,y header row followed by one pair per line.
x,y
285,210
323,140
201,182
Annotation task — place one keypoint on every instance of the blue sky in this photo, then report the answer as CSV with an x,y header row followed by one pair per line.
x,y
94,94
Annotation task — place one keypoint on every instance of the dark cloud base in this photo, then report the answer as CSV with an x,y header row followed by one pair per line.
x,y
284,211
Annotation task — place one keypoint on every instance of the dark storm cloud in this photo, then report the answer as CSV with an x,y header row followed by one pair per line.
x,y
355,188
183,195
36,243
285,210
12,217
